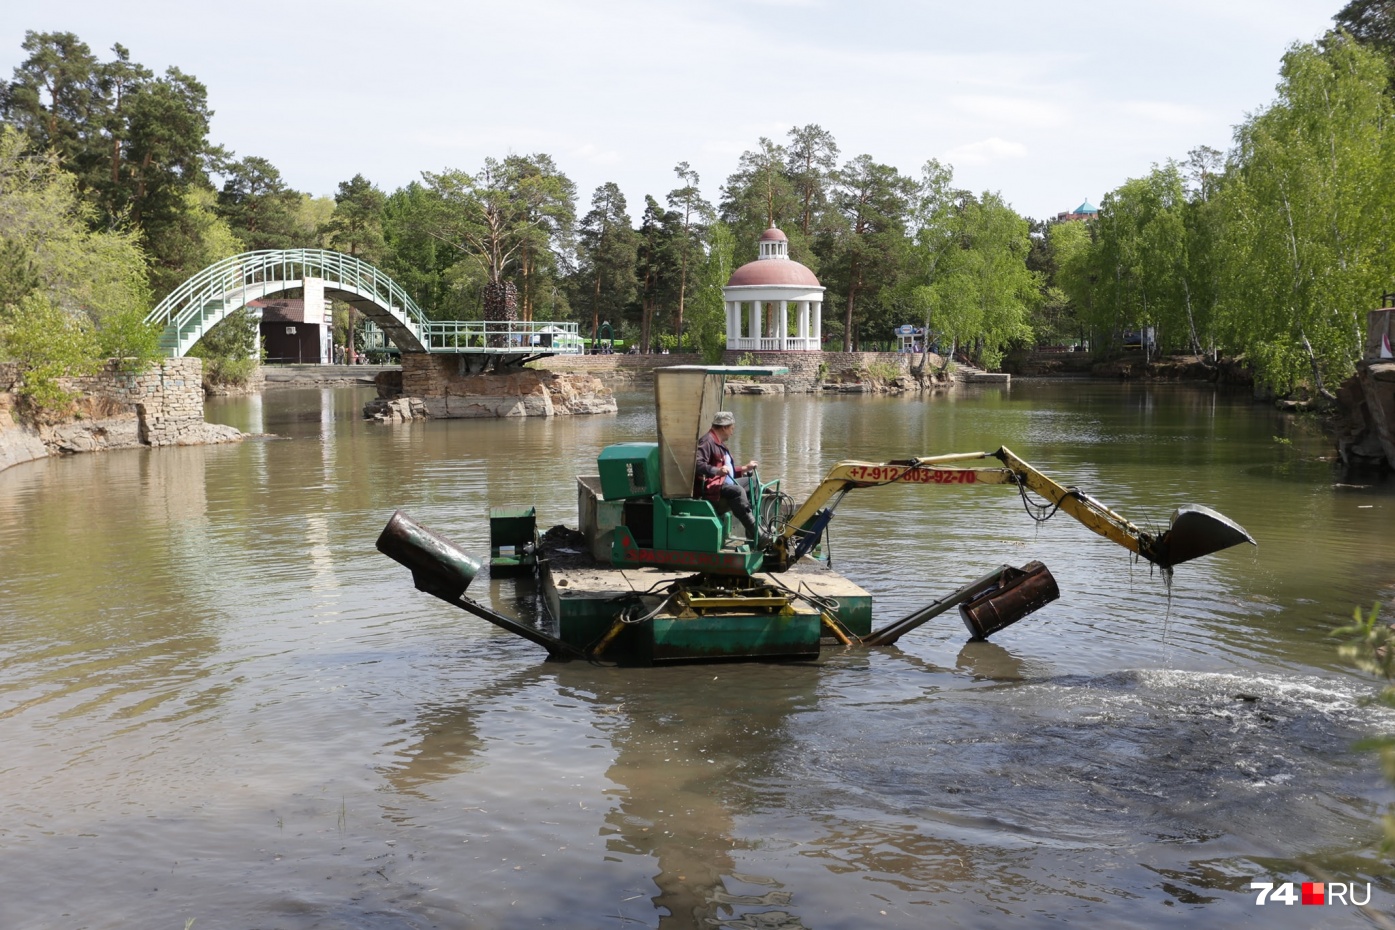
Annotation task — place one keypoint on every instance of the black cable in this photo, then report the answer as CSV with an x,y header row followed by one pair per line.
x,y
1039,511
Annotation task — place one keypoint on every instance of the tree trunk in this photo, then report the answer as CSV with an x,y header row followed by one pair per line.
x,y
525,271
682,289
500,306
1317,371
596,309
848,312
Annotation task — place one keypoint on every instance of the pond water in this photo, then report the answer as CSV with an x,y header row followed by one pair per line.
x,y
219,703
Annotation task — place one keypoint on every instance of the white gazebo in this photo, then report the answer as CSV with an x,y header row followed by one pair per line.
x,y
774,304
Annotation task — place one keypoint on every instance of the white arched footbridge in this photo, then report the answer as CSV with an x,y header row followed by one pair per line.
x,y
201,302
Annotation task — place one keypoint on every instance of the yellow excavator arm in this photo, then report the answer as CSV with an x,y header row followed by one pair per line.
x,y
1195,530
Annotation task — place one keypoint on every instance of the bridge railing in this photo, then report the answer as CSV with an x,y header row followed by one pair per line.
x,y
250,269
203,300
470,336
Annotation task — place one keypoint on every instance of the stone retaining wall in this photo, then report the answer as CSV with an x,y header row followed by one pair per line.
x,y
600,363
166,398
432,386
814,371
808,371
301,376
117,409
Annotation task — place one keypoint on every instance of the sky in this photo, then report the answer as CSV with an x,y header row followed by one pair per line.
x,y
1048,104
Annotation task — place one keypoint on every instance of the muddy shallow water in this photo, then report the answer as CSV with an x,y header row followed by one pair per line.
x,y
219,703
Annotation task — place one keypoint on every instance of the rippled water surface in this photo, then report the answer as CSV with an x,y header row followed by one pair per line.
x,y
218,702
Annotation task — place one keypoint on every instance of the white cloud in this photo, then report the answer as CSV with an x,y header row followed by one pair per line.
x,y
597,155
1176,114
985,151
1019,111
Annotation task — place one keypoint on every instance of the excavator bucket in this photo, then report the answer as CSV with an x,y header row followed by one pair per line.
x,y
1197,531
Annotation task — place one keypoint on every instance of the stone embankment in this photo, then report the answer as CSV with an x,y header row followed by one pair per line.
x,y
1050,363
432,386
620,372
1364,424
568,385
315,376
809,372
116,409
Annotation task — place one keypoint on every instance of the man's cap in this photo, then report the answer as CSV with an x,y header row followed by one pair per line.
x,y
723,418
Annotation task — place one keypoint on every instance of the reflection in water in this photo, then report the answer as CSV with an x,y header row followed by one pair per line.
x,y
680,768
677,778
983,659
218,702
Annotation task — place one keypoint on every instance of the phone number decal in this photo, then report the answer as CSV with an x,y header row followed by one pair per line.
x,y
912,475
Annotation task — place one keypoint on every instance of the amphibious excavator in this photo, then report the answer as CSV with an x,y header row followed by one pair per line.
x,y
654,574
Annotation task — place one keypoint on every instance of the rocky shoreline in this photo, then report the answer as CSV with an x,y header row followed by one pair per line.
x,y
427,389
116,409
1195,368
1364,423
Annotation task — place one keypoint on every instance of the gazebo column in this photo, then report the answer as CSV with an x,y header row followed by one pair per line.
x,y
783,318
733,325
816,312
803,324
755,321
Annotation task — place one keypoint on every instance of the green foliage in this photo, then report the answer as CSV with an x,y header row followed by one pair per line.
x,y
1274,251
90,285
194,239
231,351
1307,241
312,218
608,253
126,336
967,270
258,207
444,281
811,160
696,213
1371,647
1143,262
707,321
95,273
1371,22
356,226
507,223
135,145
1275,255
759,195
48,345
884,371
55,98
867,249
548,218
18,276
656,268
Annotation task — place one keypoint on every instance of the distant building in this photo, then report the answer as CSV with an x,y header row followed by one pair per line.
x,y
1086,211
774,304
290,334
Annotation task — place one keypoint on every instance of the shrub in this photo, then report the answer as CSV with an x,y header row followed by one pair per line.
x,y
49,345
884,371
1372,649
231,351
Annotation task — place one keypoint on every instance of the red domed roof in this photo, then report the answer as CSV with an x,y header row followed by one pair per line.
x,y
773,272
773,235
